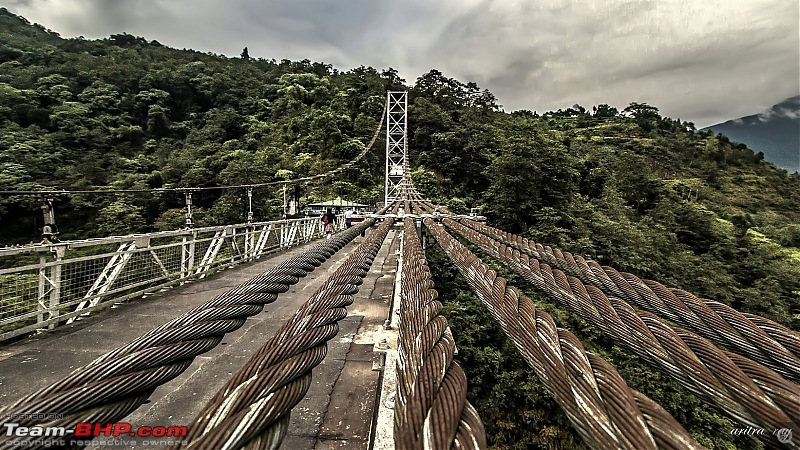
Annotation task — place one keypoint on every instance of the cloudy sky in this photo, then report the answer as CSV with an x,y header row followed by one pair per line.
x,y
701,60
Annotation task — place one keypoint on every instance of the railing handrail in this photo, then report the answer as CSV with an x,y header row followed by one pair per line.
x,y
66,283
78,243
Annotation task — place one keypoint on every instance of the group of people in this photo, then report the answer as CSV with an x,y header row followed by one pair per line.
x,y
329,219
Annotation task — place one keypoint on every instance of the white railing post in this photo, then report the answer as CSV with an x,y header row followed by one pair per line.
x,y
184,258
293,226
249,243
234,246
308,229
283,235
42,291
55,280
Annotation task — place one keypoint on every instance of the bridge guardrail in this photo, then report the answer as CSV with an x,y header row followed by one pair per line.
x,y
44,285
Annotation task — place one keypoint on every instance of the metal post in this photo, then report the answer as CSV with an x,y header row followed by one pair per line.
x,y
189,223
55,279
49,229
184,258
249,242
43,283
231,232
284,234
249,204
250,232
187,255
191,253
284,200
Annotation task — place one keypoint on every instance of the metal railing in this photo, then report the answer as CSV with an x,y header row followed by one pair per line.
x,y
44,285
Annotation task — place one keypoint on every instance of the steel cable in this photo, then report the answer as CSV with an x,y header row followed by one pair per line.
x,y
431,408
755,337
605,411
750,393
124,378
252,409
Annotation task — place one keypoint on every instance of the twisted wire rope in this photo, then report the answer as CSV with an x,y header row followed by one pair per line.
x,y
252,409
605,411
755,337
431,408
748,392
117,383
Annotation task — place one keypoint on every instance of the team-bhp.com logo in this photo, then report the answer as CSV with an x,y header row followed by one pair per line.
x,y
85,433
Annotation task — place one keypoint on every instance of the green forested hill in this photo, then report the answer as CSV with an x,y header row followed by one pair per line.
x,y
643,193
127,113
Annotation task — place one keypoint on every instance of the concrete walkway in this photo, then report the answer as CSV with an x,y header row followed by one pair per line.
x,y
337,412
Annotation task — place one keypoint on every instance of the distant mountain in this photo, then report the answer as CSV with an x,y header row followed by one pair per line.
x,y
776,132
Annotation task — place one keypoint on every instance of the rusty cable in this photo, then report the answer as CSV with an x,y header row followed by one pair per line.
x,y
431,408
117,383
755,337
752,394
605,411
252,409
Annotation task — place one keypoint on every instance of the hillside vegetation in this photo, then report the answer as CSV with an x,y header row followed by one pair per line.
x,y
126,113
631,189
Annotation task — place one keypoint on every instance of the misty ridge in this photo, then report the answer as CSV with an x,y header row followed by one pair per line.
x,y
774,132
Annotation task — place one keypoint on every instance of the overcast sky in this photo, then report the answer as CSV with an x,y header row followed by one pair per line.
x,y
701,60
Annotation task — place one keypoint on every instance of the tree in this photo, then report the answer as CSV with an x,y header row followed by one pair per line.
x,y
393,77
641,111
576,110
120,217
603,110
646,116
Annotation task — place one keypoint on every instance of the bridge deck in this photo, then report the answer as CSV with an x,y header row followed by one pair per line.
x,y
338,409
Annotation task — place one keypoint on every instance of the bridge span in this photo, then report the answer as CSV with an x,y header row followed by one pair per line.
x,y
339,409
340,342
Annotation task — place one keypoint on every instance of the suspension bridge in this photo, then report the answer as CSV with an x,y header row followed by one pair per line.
x,y
265,335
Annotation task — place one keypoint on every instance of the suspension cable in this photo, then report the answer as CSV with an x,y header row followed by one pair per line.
x,y
755,337
604,410
431,407
750,393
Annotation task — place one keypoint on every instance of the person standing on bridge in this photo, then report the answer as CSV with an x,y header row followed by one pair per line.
x,y
348,217
329,219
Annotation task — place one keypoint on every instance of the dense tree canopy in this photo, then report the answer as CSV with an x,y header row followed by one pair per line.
x,y
125,113
632,189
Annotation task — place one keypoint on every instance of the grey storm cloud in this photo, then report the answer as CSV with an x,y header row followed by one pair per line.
x,y
789,109
701,60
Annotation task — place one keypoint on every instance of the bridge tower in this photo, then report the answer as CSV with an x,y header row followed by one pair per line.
x,y
396,144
